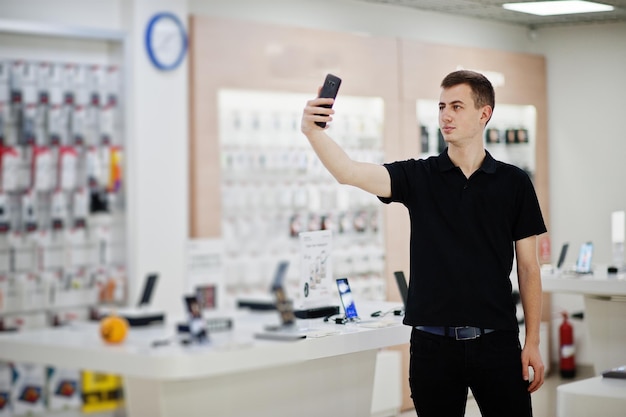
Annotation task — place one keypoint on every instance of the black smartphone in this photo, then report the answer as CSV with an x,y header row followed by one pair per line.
x,y
193,306
329,90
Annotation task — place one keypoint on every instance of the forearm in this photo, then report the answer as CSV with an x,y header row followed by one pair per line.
x,y
332,156
531,295
369,177
529,279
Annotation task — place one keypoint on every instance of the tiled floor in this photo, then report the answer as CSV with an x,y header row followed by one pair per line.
x,y
544,400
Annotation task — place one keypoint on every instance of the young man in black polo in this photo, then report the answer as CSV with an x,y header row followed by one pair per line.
x,y
469,215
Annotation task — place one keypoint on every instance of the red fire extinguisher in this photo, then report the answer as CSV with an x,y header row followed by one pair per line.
x,y
567,349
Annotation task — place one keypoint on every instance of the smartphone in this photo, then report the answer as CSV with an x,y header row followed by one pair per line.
x,y
329,90
583,263
347,301
285,337
193,307
284,307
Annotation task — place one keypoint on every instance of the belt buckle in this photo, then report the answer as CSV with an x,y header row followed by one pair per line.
x,y
475,335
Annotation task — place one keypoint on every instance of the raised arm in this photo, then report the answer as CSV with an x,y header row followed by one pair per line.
x,y
369,177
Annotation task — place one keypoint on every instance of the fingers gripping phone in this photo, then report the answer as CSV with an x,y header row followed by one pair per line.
x,y
329,90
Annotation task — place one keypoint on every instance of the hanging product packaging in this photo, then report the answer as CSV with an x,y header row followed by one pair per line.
x,y
29,212
58,210
67,168
94,167
115,171
10,158
41,170
80,208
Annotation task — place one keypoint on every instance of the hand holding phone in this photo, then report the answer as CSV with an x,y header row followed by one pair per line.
x,y
329,90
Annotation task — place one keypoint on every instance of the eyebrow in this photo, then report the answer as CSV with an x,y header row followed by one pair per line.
x,y
452,102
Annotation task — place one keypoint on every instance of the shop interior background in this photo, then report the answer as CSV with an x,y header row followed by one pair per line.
x,y
585,66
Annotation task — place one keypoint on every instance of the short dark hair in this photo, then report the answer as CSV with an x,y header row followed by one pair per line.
x,y
482,90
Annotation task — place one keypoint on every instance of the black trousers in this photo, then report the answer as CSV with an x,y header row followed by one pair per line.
x,y
442,369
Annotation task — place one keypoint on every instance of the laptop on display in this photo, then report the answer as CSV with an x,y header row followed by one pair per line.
x,y
562,256
403,287
143,314
148,290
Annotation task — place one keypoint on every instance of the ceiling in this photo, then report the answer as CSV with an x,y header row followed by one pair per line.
x,y
492,10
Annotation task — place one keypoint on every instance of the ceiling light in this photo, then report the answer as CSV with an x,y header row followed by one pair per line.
x,y
550,8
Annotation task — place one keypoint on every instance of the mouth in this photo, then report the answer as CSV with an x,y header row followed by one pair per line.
x,y
447,129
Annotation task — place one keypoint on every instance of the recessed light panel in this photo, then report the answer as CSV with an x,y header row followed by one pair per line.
x,y
551,8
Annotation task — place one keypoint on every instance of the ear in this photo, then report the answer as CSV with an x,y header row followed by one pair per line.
x,y
485,114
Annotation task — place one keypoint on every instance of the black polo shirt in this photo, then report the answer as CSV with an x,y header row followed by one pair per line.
x,y
462,239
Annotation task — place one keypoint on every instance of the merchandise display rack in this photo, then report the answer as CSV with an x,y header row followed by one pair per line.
x,y
510,135
274,187
75,254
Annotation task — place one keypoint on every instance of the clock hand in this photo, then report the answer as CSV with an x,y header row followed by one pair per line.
x,y
165,40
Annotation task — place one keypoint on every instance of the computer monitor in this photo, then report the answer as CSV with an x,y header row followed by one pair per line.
x,y
148,289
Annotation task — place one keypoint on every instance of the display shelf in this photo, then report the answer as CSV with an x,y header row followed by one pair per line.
x,y
510,135
274,187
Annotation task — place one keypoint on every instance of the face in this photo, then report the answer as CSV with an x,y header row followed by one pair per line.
x,y
459,120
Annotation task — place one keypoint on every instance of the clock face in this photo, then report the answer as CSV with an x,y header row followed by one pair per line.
x,y
166,41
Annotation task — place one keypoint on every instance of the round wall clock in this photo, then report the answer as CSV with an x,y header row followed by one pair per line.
x,y
166,41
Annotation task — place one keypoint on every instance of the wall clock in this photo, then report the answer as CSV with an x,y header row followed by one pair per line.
x,y
166,41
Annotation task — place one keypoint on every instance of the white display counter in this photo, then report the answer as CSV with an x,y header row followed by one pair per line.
x,y
605,310
234,375
599,283
596,396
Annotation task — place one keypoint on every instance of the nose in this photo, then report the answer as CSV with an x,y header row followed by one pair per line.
x,y
444,115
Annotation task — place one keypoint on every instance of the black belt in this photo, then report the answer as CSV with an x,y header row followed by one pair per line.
x,y
459,333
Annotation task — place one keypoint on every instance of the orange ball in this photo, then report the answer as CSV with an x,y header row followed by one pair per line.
x,y
113,329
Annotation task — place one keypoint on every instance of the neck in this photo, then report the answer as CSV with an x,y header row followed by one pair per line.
x,y
468,158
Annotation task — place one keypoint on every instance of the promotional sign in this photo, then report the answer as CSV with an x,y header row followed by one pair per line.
x,y
6,380
317,286
27,391
101,392
63,389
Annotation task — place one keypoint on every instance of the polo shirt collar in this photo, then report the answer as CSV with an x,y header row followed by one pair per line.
x,y
445,163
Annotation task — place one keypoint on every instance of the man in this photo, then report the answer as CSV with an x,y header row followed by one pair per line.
x,y
469,215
